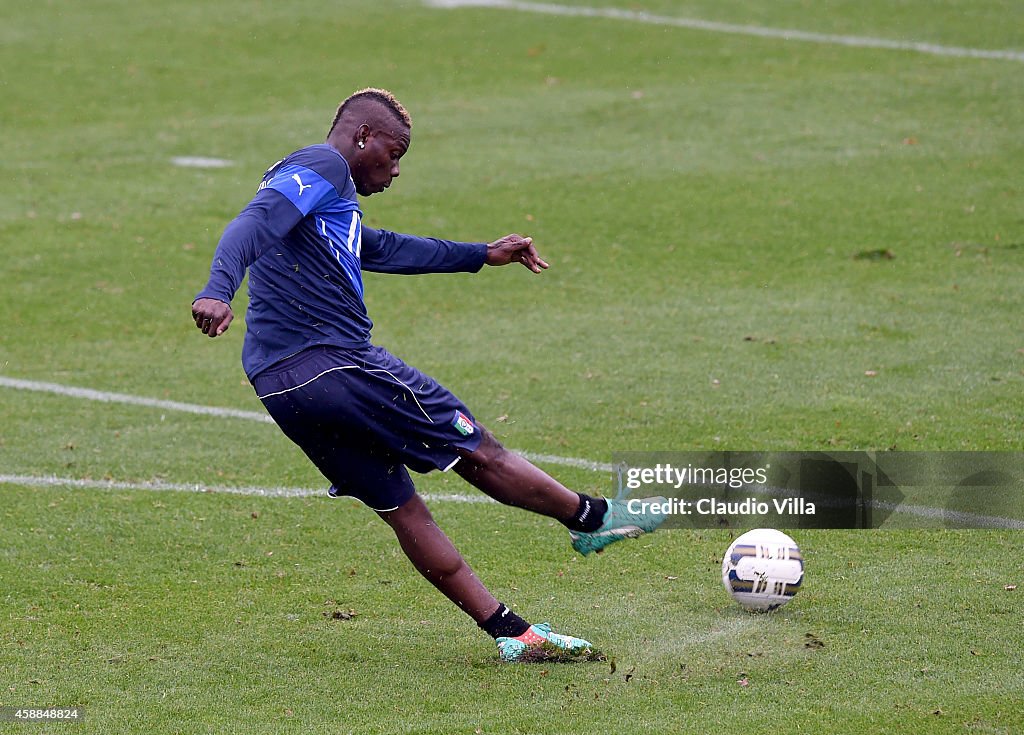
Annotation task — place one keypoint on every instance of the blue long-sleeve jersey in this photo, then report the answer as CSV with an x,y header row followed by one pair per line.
x,y
304,244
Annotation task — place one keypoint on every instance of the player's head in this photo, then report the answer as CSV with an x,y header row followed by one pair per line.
x,y
372,131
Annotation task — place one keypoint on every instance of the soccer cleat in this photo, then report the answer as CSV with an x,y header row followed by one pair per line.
x,y
620,523
536,636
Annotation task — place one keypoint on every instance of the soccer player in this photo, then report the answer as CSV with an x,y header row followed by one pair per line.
x,y
360,414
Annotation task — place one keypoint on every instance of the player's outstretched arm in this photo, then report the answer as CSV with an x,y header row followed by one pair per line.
x,y
213,317
515,249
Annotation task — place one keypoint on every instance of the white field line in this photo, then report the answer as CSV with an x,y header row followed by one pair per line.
x,y
232,413
939,515
105,397
784,34
935,514
201,162
960,518
80,484
262,492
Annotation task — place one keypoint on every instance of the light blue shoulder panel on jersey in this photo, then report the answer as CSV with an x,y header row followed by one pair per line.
x,y
337,220
303,187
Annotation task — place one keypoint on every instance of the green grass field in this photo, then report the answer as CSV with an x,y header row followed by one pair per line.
x,y
756,244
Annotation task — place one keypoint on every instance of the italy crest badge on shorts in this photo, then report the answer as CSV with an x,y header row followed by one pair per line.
x,y
463,424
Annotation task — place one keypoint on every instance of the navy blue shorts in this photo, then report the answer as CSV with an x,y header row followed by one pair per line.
x,y
363,416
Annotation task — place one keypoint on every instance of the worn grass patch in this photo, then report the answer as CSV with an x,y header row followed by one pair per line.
x,y
548,653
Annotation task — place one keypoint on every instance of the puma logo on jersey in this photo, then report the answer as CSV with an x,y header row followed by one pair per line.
x,y
302,187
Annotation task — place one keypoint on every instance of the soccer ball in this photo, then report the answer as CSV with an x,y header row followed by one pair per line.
x,y
763,569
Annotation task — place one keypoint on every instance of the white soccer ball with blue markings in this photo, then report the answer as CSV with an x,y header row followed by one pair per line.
x,y
763,569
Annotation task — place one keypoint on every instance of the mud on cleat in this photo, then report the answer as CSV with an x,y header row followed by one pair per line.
x,y
536,636
620,523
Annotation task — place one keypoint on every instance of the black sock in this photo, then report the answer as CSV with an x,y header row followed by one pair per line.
x,y
589,516
504,623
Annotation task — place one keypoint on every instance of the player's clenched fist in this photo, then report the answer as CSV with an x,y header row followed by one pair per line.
x,y
211,316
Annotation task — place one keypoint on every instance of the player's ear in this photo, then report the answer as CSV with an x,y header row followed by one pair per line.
x,y
360,136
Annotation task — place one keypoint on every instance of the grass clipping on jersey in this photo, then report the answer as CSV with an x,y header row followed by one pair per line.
x,y
549,653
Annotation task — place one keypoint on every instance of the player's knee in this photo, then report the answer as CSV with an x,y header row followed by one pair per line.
x,y
411,513
490,453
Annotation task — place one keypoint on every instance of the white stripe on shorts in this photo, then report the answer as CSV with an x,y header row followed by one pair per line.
x,y
351,367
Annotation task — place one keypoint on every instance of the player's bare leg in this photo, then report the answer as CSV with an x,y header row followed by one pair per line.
x,y
437,559
513,480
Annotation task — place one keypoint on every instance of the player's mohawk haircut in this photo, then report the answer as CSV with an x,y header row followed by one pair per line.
x,y
383,96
